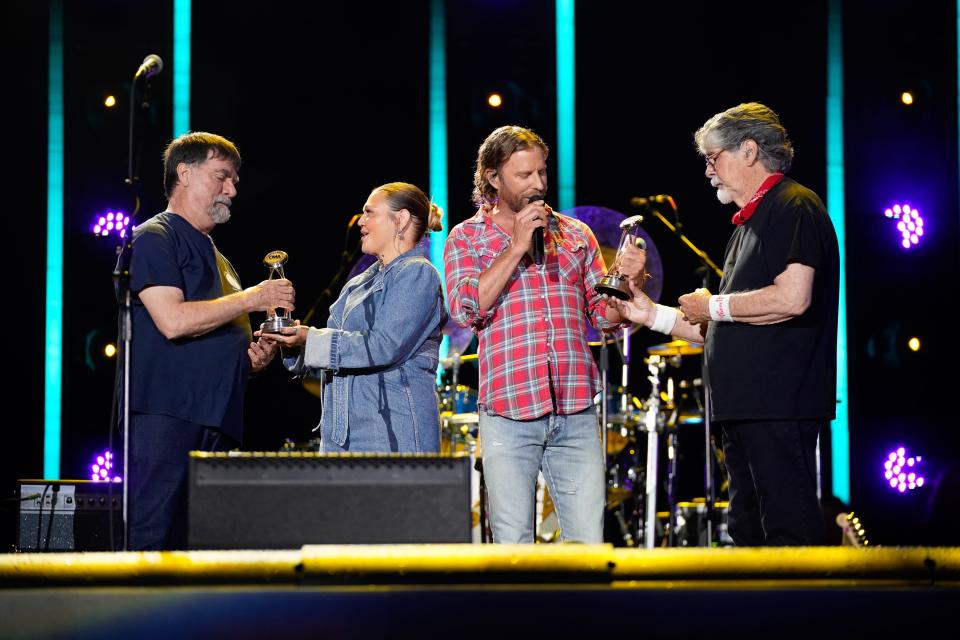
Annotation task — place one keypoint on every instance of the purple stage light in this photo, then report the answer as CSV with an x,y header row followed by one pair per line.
x,y
902,471
112,222
909,223
102,468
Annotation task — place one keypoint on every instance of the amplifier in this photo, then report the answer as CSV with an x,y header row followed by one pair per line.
x,y
69,515
280,500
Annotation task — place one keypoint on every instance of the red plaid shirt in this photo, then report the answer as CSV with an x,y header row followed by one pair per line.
x,y
535,332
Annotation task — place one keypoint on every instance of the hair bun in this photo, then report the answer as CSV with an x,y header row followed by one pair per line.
x,y
435,223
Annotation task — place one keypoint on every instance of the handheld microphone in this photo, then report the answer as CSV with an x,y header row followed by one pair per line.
x,y
538,248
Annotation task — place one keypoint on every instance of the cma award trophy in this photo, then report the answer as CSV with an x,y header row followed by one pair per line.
x,y
614,283
274,262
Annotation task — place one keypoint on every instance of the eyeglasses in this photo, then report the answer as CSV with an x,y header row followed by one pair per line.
x,y
711,160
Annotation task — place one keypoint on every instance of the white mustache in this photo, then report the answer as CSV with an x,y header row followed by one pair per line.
x,y
714,182
224,201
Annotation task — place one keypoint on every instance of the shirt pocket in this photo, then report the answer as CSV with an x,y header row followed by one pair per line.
x,y
570,259
486,255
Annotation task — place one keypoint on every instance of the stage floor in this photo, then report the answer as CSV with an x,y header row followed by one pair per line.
x,y
479,591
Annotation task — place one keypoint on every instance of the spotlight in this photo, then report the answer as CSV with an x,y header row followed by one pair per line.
x,y
906,98
110,101
494,100
102,468
111,223
909,223
914,344
902,472
110,350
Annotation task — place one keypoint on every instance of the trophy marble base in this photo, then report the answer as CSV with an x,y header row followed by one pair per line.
x,y
276,323
613,285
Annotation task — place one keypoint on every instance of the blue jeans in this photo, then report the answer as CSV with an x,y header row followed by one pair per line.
x,y
568,449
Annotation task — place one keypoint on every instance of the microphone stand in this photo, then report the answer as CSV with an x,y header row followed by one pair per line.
x,y
347,258
121,279
706,266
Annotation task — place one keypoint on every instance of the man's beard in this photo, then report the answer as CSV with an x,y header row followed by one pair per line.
x,y
516,202
219,212
724,196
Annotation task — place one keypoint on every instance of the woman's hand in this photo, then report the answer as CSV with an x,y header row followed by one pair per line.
x,y
291,337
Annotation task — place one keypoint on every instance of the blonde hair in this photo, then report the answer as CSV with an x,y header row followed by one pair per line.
x,y
435,223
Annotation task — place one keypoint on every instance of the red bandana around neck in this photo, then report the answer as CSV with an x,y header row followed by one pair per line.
x,y
740,217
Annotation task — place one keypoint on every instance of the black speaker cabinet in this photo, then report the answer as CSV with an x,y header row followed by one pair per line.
x,y
68,515
286,500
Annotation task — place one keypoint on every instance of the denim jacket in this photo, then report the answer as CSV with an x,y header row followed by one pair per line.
x,y
378,357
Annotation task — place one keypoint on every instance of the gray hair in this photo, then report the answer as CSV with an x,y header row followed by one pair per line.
x,y
749,121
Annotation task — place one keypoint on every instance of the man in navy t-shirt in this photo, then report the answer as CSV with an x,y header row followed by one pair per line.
x,y
192,351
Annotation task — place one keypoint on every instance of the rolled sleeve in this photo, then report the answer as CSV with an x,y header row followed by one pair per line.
x,y
462,267
321,349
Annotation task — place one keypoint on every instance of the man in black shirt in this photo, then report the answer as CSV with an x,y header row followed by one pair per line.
x,y
770,334
192,351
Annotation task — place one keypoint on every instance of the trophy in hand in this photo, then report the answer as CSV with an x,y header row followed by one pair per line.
x,y
274,262
614,283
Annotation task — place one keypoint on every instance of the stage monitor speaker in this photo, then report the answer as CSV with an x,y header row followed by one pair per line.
x,y
286,500
68,515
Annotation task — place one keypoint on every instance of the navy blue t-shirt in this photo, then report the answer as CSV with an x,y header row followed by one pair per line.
x,y
200,379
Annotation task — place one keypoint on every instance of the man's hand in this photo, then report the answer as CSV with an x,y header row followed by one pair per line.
x,y
696,306
261,353
271,294
639,309
531,217
633,261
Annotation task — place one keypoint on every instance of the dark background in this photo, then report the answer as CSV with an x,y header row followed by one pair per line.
x,y
327,101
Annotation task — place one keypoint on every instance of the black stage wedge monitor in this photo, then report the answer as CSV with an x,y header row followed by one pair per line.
x,y
281,500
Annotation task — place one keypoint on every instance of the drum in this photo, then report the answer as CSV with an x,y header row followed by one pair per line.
x,y
692,524
463,399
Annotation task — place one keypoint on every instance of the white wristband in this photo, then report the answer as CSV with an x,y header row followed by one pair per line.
x,y
665,319
720,309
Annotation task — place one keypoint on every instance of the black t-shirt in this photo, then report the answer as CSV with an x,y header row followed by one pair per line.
x,y
786,370
200,379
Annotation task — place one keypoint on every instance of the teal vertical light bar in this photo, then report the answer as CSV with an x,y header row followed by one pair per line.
x,y
840,431
566,105
438,138
54,305
181,66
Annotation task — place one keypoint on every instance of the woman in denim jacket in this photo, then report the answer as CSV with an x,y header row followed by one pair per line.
x,y
377,357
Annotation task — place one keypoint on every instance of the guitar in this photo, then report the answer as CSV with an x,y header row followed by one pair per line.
x,y
854,535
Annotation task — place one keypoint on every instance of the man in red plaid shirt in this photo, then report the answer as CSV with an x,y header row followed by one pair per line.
x,y
537,375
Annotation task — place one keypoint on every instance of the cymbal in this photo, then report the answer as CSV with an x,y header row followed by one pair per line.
x,y
459,340
676,347
616,495
605,224
616,441
446,363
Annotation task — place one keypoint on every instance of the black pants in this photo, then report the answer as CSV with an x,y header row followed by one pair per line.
x,y
773,482
158,477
